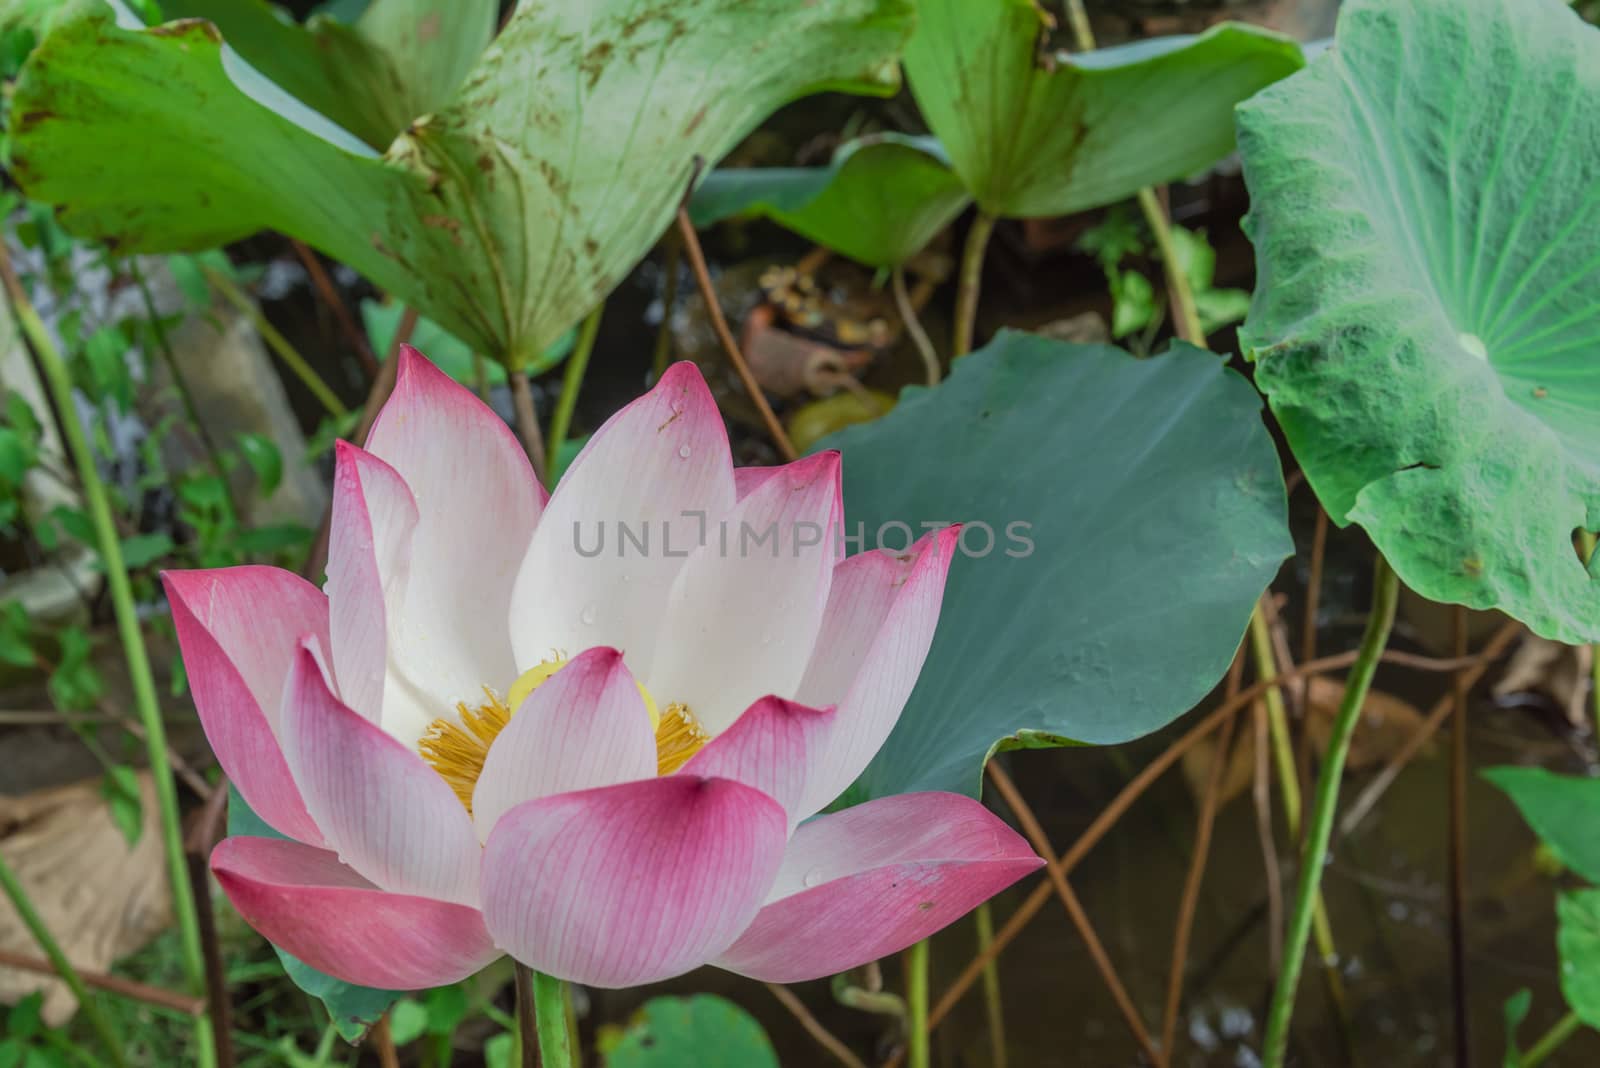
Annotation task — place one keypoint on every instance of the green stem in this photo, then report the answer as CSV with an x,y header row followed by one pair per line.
x,y
279,344
58,960
1564,1029
916,965
993,1004
59,383
1386,589
971,277
550,1010
571,382
1183,306
1594,650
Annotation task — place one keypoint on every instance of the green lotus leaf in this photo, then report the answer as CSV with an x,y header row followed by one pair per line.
x,y
880,200
399,60
505,216
1122,515
1563,811
1049,134
1578,942
352,1008
1424,198
704,1030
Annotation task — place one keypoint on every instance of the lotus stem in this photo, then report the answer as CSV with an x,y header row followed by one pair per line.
x,y
993,1004
1564,1029
971,278
63,967
1588,540
550,1010
916,967
1079,18
59,383
279,344
908,316
528,422
571,382
1386,590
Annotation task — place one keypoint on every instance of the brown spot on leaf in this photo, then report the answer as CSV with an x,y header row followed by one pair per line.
x,y
594,62
694,123
448,223
428,28
486,162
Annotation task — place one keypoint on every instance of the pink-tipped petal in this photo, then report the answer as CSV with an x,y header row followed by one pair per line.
x,y
882,611
389,815
771,747
630,884
745,610
477,504
239,628
308,904
869,881
369,559
636,500
585,726
746,480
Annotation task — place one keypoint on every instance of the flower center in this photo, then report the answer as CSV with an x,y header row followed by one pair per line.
x,y
456,746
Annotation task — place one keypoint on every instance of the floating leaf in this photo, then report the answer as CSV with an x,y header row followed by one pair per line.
x,y
1122,517
504,216
352,1008
1563,811
1423,203
879,201
1034,134
1578,941
398,60
703,1030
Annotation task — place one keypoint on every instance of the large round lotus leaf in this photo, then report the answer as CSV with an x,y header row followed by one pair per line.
x,y
1424,203
505,215
1122,517
879,201
1034,133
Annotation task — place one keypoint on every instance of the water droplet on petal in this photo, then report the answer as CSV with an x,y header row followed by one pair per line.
x,y
589,614
683,452
813,877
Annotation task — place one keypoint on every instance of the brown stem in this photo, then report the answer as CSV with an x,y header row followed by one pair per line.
x,y
1319,549
211,952
1458,849
1080,919
341,313
813,1027
1369,797
1142,782
527,421
527,1031
908,316
1197,869
112,984
383,1043
702,277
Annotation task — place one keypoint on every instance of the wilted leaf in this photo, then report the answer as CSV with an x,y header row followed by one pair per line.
x,y
504,216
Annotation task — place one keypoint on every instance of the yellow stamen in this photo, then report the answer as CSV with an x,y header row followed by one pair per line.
x,y
458,747
678,737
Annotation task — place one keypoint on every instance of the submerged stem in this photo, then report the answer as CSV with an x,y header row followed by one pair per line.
x,y
971,277
59,383
916,966
1386,589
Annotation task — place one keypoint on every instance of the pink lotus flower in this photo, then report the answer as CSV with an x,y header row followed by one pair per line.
x,y
641,812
